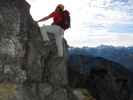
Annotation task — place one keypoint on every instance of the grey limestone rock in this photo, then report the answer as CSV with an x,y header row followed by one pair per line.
x,y
29,67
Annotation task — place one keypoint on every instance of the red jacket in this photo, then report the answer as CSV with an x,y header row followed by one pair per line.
x,y
57,17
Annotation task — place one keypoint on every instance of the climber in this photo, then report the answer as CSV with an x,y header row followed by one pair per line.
x,y
61,22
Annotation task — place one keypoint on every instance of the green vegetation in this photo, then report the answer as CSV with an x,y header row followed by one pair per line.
x,y
84,94
7,91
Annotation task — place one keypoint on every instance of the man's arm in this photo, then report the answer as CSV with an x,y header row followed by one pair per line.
x,y
46,18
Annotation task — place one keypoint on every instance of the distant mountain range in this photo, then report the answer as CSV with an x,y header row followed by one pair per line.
x,y
121,55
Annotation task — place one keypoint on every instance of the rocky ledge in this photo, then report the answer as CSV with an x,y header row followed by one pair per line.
x,y
29,67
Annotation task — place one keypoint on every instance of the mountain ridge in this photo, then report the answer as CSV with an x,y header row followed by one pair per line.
x,y
121,55
107,80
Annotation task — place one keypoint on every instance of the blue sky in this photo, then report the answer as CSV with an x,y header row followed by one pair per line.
x,y
94,22
122,28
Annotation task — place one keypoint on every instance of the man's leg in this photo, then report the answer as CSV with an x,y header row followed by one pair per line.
x,y
59,45
58,32
44,33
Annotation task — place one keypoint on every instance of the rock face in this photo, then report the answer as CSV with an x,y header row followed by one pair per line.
x,y
29,67
105,79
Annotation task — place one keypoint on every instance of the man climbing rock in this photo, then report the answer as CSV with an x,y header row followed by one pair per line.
x,y
61,22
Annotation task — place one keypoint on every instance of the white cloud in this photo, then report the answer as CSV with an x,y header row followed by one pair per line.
x,y
91,20
96,40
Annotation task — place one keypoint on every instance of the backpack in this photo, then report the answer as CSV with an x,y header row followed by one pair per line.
x,y
66,20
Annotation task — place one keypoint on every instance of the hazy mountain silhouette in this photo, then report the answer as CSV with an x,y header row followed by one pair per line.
x,y
121,55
